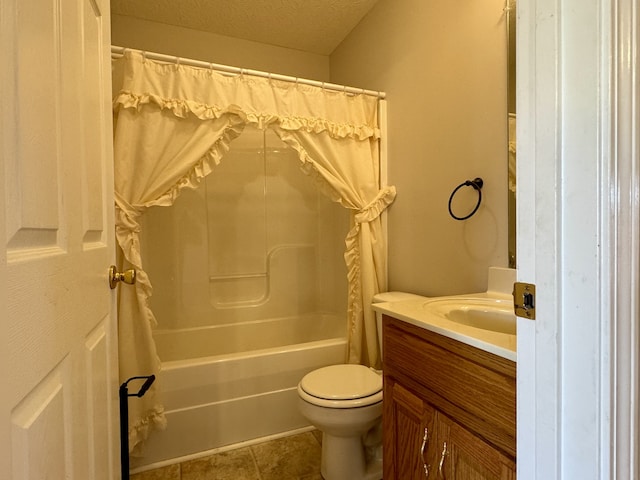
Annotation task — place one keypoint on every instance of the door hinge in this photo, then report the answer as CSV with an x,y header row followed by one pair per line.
x,y
524,300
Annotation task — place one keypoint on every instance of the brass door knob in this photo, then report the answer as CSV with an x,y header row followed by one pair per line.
x,y
128,277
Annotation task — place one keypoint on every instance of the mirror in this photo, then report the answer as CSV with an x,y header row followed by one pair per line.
x,y
511,125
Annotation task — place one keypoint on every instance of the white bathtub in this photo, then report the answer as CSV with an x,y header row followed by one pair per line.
x,y
218,400
229,338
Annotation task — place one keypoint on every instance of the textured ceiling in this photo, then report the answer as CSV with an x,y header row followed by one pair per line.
x,y
316,26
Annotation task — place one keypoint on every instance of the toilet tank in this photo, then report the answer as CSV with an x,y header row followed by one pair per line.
x,y
390,297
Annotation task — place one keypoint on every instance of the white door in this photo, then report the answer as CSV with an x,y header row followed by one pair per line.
x,y
58,364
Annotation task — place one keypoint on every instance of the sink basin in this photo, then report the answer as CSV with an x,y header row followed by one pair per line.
x,y
485,313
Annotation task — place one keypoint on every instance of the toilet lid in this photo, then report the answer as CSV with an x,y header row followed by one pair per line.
x,y
342,382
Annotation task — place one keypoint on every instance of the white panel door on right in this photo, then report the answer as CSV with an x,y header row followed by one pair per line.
x,y
58,364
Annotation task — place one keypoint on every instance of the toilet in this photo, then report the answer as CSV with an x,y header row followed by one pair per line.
x,y
344,402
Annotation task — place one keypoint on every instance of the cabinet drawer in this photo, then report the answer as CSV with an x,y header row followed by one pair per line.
x,y
462,381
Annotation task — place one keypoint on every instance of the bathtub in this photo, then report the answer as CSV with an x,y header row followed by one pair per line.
x,y
213,401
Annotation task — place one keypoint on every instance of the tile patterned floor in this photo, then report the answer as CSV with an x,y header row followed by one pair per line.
x,y
290,458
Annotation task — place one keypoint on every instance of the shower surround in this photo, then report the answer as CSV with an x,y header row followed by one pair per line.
x,y
249,294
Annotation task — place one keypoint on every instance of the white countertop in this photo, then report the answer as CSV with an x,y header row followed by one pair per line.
x,y
413,312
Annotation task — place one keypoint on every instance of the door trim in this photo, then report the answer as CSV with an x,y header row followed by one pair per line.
x,y
622,188
579,224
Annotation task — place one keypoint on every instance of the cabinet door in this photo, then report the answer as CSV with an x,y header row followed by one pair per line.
x,y
463,456
409,435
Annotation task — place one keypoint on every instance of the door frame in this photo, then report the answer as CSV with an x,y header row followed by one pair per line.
x,y
578,238
624,256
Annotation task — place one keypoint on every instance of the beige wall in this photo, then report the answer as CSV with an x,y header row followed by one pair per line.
x,y
156,37
443,66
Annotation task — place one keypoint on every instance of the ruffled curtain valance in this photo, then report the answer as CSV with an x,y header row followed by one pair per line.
x,y
172,126
206,94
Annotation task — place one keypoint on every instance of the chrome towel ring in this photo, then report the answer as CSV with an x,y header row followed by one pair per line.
x,y
477,185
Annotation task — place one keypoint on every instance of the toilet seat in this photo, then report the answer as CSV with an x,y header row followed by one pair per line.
x,y
341,386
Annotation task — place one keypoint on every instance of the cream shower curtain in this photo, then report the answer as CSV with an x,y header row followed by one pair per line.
x,y
172,125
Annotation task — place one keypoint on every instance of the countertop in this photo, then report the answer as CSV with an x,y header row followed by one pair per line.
x,y
413,312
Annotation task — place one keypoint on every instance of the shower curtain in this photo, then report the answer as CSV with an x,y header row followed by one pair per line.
x,y
173,124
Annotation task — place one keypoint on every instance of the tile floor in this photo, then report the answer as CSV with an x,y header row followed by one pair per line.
x,y
296,457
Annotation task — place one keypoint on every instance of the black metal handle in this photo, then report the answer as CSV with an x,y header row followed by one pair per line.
x,y
477,184
145,386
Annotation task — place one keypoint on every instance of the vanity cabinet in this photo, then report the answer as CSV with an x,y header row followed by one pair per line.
x,y
449,408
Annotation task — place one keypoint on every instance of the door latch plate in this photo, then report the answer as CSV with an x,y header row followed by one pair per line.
x,y
524,300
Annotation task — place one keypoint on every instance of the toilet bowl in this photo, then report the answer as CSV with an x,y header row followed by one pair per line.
x,y
344,402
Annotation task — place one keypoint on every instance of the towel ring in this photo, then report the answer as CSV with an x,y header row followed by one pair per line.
x,y
476,183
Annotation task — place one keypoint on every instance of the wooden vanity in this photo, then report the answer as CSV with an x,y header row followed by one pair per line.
x,y
449,408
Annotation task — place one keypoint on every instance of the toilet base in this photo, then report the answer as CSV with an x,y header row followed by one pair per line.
x,y
347,460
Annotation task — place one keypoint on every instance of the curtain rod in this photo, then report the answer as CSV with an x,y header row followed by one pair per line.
x,y
117,52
